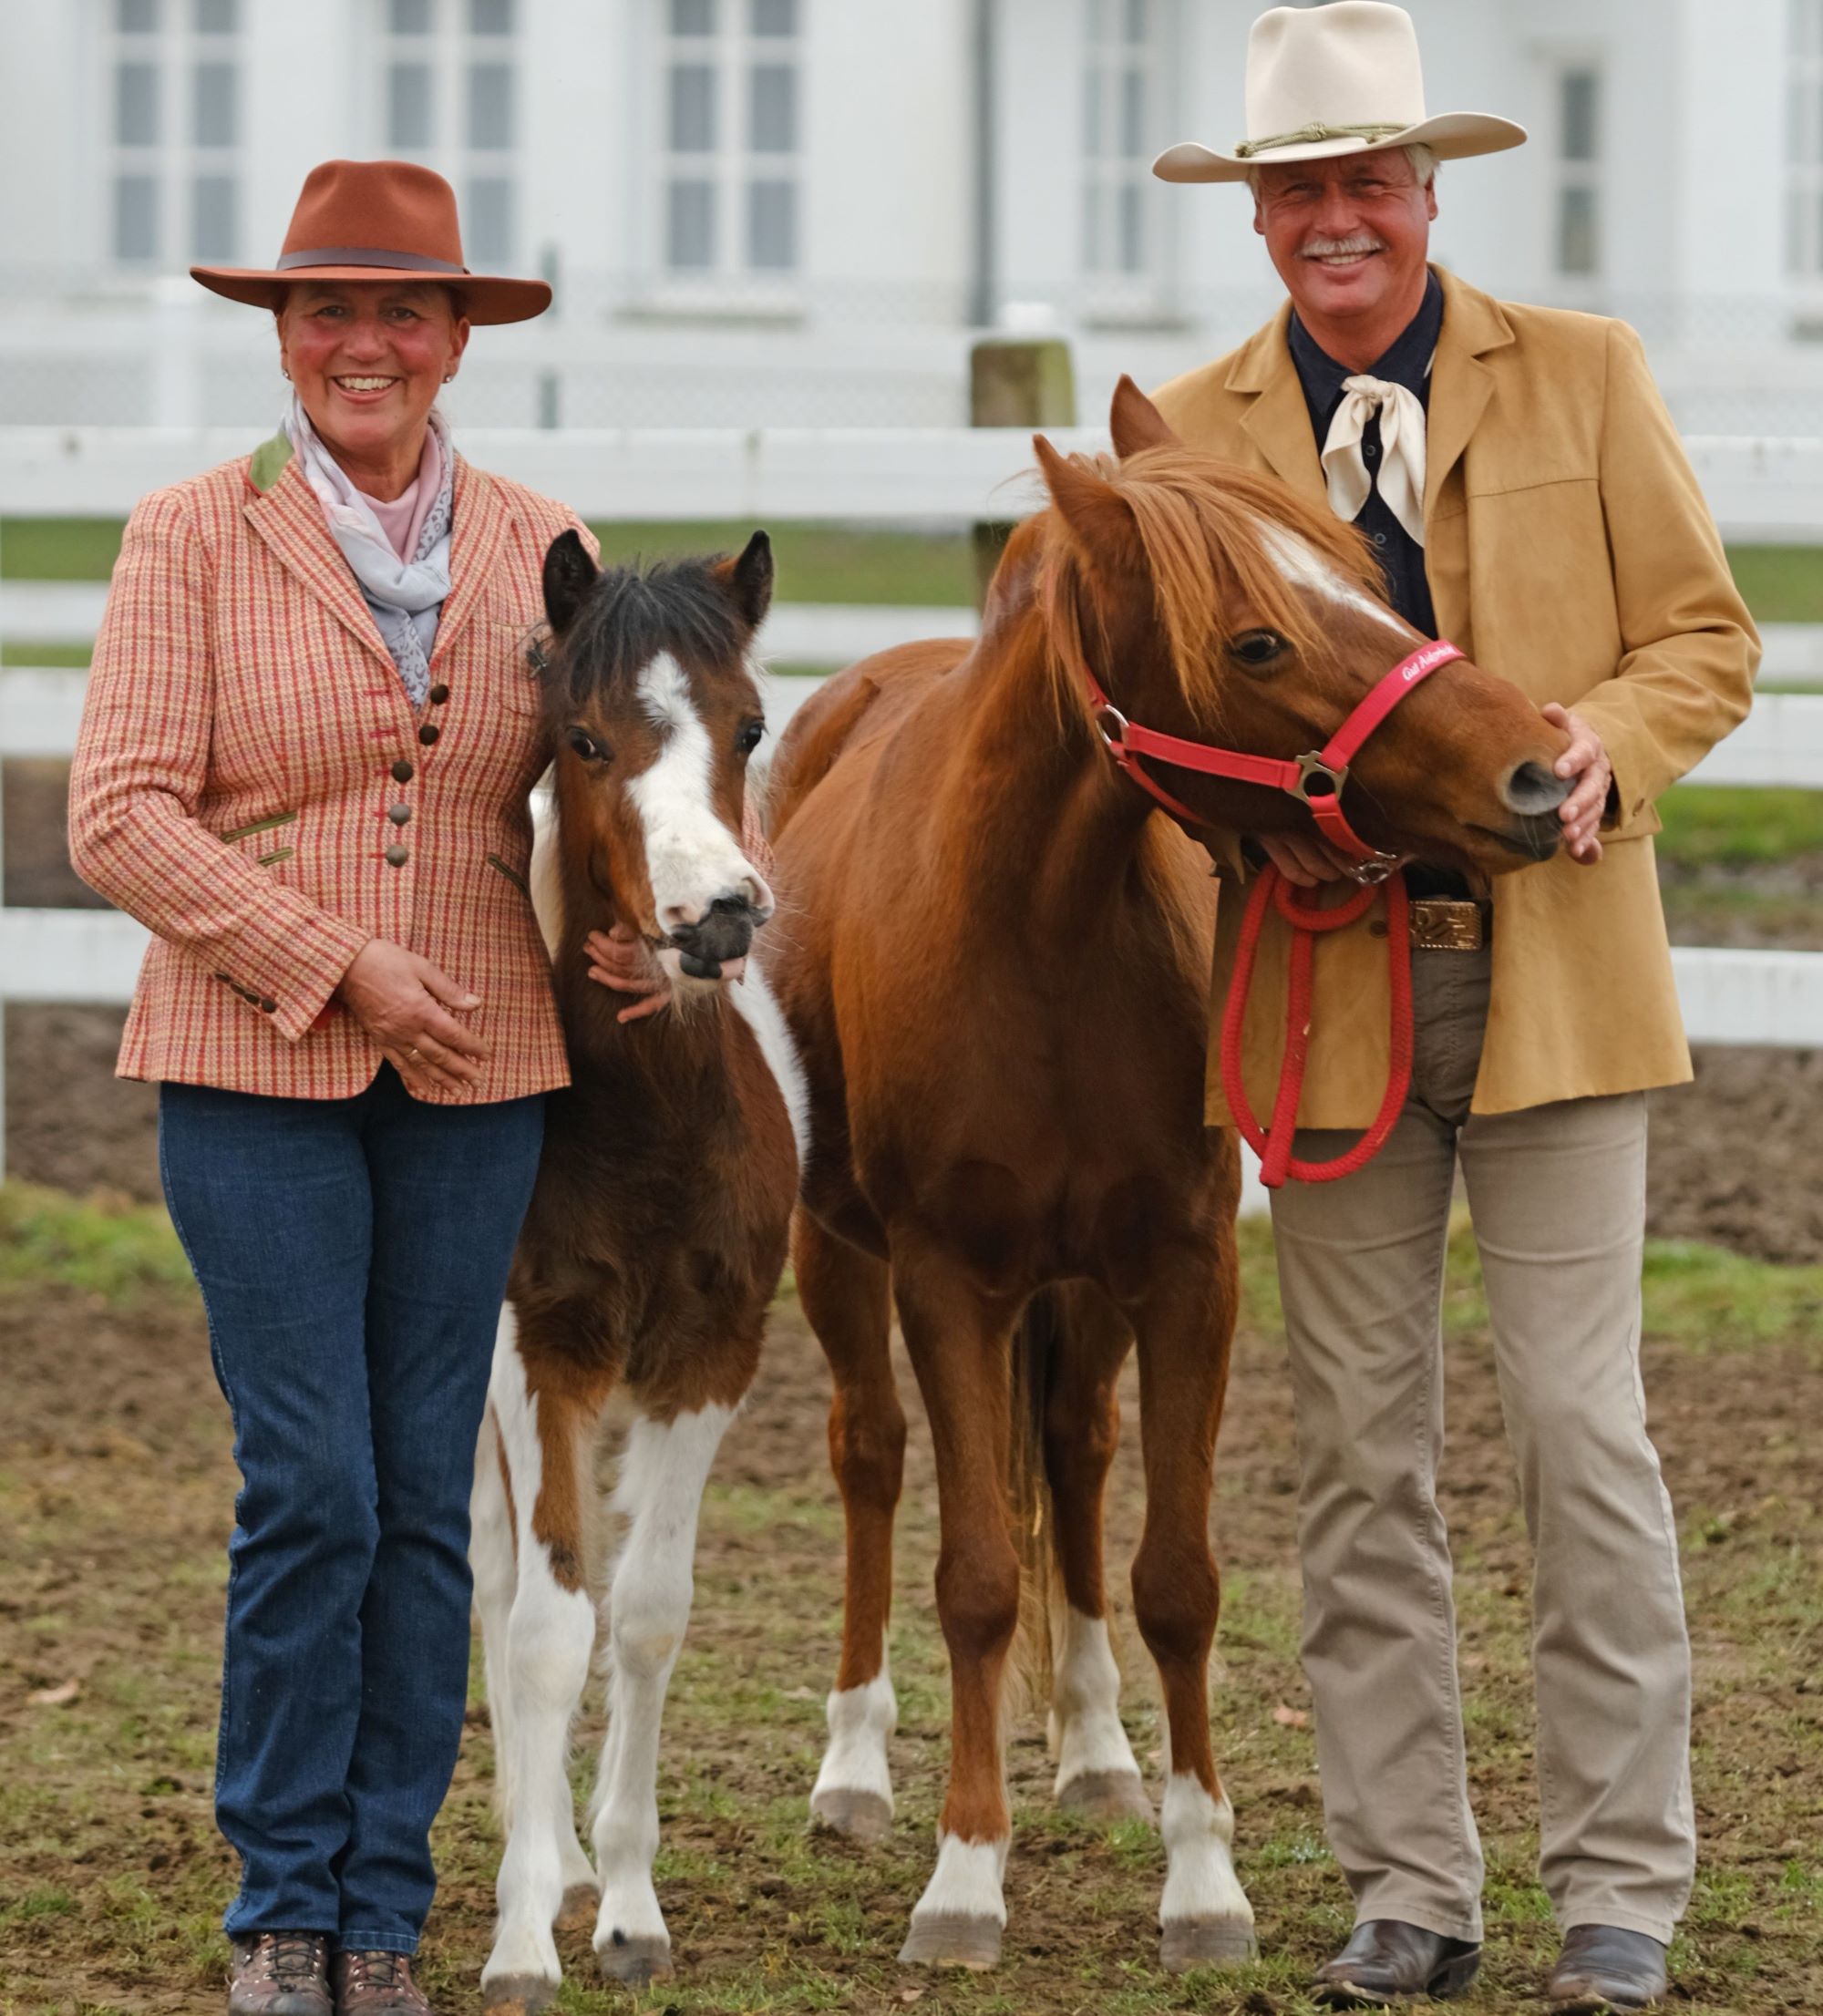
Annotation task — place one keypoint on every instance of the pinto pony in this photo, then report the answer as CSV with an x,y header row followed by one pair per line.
x,y
998,981
656,1238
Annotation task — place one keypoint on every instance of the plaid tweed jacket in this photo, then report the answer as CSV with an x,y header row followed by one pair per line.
x,y
252,784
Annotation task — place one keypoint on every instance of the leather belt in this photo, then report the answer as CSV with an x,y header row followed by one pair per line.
x,y
1447,924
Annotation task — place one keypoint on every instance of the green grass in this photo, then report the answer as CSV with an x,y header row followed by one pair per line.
x,y
104,1247
1781,584
816,563
836,563
1737,826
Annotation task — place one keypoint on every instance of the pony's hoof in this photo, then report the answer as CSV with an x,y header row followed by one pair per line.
x,y
861,1816
1207,1942
518,1995
951,1939
577,1912
1108,1796
634,1958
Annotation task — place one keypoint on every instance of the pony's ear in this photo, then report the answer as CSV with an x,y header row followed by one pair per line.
x,y
1135,423
749,579
1099,522
569,575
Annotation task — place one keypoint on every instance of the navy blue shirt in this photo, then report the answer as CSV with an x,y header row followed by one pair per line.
x,y
1406,363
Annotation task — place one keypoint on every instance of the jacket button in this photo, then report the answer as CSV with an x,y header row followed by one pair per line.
x,y
1378,928
438,694
428,733
398,814
398,856
269,1007
402,772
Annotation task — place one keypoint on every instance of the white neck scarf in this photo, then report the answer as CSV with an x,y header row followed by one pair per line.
x,y
1402,452
406,596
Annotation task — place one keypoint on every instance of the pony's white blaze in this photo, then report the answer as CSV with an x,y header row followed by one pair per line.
x,y
1304,567
691,857
1199,1878
660,1491
1086,1730
535,1680
758,1008
861,1721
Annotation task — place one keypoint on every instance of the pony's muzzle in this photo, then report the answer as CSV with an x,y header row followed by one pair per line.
x,y
717,940
1531,789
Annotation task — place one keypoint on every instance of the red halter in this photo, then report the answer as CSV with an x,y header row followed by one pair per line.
x,y
1316,777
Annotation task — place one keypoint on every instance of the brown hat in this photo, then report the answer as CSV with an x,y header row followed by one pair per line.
x,y
378,220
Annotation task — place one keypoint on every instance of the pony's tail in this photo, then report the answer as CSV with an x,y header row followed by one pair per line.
x,y
1041,1335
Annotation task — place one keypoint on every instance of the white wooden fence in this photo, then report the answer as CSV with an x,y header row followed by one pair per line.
x,y
1765,490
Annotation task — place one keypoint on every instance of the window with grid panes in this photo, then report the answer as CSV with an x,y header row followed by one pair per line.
x,y
729,140
1576,251
175,126
449,98
1804,138
1125,58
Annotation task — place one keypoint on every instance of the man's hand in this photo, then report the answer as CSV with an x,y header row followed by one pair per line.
x,y
1585,761
618,959
1304,859
404,1003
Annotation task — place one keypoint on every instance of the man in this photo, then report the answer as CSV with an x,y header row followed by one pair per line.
x,y
1525,488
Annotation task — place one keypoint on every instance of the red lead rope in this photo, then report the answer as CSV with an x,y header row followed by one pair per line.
x,y
1273,1143
1318,779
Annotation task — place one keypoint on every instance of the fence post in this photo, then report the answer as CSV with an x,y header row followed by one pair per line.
x,y
1016,381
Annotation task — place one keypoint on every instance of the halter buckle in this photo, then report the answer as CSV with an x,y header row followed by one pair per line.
x,y
1311,765
1106,713
1375,869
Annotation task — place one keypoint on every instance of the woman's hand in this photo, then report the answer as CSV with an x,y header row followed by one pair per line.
x,y
404,1003
618,959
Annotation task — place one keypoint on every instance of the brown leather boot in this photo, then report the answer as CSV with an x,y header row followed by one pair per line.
x,y
377,1984
279,1974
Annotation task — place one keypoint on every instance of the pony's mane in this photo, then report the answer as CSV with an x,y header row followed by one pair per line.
x,y
1204,526
633,613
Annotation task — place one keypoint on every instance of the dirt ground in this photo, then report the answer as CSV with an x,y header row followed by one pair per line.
x,y
116,1493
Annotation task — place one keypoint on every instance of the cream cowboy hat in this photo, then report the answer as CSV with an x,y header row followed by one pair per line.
x,y
1338,79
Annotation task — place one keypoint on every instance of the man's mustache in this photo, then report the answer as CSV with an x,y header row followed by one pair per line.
x,y
1330,248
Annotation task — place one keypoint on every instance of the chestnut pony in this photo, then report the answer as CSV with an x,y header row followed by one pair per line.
x,y
998,978
655,1236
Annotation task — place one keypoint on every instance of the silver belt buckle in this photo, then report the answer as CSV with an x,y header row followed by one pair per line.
x,y
1447,924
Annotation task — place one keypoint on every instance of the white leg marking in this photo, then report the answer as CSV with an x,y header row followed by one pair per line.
x,y
660,1491
1199,1880
691,857
759,1007
861,1721
966,1881
1086,1731
1304,567
550,1632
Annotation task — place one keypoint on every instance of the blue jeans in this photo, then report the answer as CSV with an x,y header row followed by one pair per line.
x,y
352,1255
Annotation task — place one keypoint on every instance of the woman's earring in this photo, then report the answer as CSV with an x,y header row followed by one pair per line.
x,y
449,377
284,374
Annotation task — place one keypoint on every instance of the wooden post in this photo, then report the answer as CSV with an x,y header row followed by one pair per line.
x,y
1016,381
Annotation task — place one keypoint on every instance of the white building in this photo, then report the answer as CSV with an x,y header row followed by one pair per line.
x,y
801,211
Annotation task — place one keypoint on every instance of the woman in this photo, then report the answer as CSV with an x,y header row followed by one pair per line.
x,y
310,731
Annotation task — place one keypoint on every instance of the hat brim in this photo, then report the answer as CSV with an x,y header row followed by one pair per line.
x,y
1451,136
486,297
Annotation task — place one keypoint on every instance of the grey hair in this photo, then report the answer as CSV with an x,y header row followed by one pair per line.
x,y
1424,166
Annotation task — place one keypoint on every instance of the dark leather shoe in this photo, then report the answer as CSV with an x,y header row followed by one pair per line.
x,y
377,1984
279,1974
1388,1959
1604,1967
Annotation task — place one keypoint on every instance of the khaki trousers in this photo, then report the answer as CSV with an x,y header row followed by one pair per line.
x,y
1558,1199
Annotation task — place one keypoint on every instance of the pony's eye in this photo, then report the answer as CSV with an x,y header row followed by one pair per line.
x,y
586,746
1256,647
747,740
